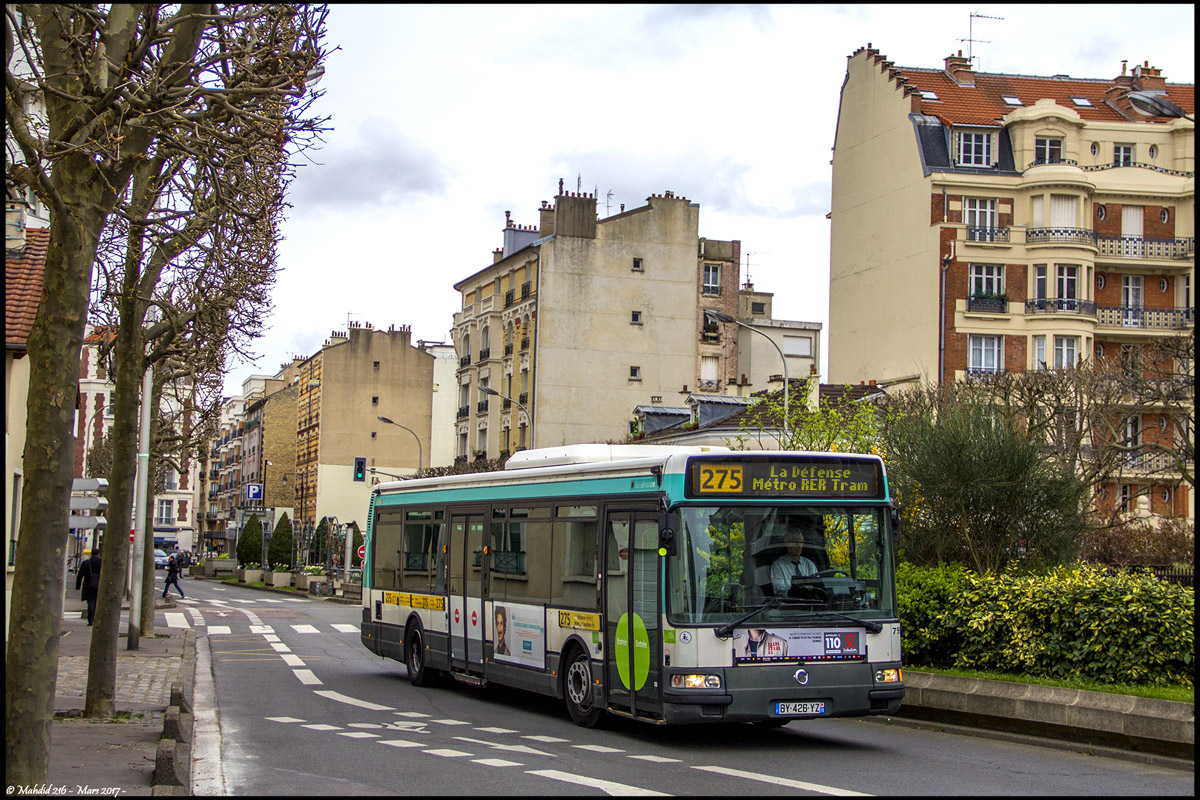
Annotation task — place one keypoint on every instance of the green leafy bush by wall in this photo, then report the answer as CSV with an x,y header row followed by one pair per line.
x,y
249,543
1067,622
279,549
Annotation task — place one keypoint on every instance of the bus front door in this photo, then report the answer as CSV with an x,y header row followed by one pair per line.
x,y
466,606
633,656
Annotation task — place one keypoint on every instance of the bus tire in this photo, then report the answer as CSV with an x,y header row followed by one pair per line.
x,y
578,689
414,658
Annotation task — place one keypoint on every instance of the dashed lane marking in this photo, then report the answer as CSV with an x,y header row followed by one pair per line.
x,y
497,762
176,620
352,701
608,787
218,629
546,739
400,743
292,660
305,629
597,748
283,719
342,627
446,752
307,677
788,782
657,759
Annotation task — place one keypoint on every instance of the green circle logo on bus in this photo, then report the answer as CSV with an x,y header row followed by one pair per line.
x,y
641,651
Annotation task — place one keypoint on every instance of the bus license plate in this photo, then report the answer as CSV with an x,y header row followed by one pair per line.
x,y
793,709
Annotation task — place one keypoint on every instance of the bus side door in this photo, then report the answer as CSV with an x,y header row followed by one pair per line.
x,y
634,653
466,606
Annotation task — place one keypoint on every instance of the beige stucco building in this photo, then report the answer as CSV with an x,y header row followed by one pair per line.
x,y
985,223
579,320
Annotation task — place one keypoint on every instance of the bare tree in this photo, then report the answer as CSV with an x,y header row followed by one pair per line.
x,y
119,83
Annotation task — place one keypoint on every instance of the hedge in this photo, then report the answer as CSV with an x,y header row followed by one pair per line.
x,y
1067,622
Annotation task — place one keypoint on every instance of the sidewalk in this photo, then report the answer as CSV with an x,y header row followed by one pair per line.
x,y
119,753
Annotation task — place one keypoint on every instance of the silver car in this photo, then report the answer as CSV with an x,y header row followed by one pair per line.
x,y
160,559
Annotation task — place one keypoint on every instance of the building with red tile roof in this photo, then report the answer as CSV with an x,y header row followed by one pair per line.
x,y
984,223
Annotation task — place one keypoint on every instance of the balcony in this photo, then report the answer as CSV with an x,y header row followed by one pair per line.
x,y
481,406
1060,306
465,361
1152,249
1071,236
523,398
983,373
463,412
988,235
524,343
485,354
506,404
988,305
508,349
710,337
1160,319
508,298
526,290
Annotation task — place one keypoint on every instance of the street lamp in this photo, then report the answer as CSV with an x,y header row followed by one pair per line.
x,y
410,430
720,316
1156,105
528,416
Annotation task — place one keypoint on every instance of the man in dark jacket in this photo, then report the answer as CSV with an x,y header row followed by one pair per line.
x,y
88,578
172,576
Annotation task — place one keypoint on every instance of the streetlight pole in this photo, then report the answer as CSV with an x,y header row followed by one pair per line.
x,y
528,416
720,316
420,459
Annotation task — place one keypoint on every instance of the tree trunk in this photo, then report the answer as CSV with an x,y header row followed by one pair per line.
x,y
35,614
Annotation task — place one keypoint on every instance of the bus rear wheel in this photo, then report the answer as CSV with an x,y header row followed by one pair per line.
x,y
578,690
418,673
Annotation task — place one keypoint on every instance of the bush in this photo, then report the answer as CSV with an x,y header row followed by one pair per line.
x,y
249,543
1140,542
279,548
1070,621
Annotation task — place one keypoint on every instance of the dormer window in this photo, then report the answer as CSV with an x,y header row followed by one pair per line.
x,y
975,149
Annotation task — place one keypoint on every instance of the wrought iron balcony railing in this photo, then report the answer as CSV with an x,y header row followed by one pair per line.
x,y
988,235
1080,236
1147,318
1060,306
1142,247
990,305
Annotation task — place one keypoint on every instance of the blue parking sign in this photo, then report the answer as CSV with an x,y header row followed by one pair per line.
x,y
254,491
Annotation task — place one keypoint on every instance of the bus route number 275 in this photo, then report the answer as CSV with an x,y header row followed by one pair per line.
x,y
720,478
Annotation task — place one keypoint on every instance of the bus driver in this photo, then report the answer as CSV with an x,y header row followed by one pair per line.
x,y
791,564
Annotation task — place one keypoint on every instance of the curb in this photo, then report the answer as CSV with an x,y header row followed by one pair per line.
x,y
288,592
173,758
1139,724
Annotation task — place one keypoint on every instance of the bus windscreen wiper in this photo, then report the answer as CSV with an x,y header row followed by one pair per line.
x,y
870,625
727,629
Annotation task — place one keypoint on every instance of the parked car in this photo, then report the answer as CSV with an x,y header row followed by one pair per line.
x,y
160,559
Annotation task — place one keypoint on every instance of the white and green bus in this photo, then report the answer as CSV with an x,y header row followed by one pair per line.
x,y
659,583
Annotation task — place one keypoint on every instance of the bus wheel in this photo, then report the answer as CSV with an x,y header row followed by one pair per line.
x,y
577,689
418,673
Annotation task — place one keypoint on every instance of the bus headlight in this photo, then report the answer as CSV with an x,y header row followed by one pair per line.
x,y
695,681
889,675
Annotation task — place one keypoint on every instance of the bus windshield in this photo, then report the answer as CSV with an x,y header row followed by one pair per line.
x,y
794,564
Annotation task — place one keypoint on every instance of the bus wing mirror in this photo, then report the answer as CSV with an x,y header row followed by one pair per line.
x,y
666,534
895,522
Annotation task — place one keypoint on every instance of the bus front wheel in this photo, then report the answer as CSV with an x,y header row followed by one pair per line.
x,y
418,673
578,690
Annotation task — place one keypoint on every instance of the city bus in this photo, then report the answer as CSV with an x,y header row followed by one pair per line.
x,y
648,582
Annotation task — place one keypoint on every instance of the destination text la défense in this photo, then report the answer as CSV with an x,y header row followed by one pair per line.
x,y
835,480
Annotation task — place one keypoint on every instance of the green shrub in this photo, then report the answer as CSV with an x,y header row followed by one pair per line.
x,y
279,549
1070,621
249,543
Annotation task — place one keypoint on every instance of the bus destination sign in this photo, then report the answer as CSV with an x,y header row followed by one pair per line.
x,y
785,477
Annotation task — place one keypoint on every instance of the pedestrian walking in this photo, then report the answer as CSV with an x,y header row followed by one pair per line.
x,y
88,579
172,576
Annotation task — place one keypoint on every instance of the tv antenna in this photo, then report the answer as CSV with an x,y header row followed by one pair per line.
x,y
608,203
970,40
749,282
579,183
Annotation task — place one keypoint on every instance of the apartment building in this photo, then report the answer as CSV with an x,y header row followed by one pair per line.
x,y
341,445
578,320
987,222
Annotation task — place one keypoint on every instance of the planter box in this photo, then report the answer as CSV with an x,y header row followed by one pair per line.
x,y
249,575
302,580
280,579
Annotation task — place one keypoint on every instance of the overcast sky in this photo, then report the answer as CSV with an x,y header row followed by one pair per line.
x,y
444,117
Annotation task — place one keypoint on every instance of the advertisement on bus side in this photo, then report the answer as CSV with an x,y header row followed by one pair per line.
x,y
519,634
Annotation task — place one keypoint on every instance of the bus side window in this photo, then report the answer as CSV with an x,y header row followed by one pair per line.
x,y
385,573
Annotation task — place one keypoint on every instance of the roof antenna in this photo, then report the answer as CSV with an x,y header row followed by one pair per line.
x,y
608,202
970,40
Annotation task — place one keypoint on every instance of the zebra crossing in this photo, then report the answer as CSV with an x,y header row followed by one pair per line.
x,y
192,616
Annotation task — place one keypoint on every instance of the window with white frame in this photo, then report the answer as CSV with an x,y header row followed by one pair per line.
x,y
1124,497
1067,280
975,149
797,346
712,279
635,318
1066,351
986,353
979,214
1122,155
708,370
635,373
987,280
1039,352
1133,431
1040,282
1047,150
165,514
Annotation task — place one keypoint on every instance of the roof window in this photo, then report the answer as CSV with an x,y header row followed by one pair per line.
x,y
1081,101
1011,100
929,94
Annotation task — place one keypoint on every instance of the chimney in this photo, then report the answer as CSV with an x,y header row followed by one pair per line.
x,y
497,254
959,69
545,220
1149,79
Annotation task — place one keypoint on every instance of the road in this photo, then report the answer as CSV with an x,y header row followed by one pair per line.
x,y
289,702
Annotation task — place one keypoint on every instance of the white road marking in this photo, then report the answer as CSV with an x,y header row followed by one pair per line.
x,y
280,647
218,629
342,627
608,787
597,748
546,739
450,722
270,637
352,701
359,735
244,602
305,629
186,600
446,753
283,719
176,620
365,725
307,678
261,629
411,714
400,743
657,759
317,726
512,748
292,660
788,782
496,762
218,602
197,617
496,730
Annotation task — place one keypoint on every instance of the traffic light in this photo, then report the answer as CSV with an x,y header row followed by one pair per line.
x,y
360,469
